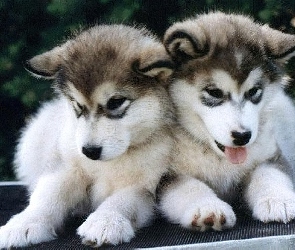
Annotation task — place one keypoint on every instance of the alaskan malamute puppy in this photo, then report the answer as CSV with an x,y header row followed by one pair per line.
x,y
237,126
105,138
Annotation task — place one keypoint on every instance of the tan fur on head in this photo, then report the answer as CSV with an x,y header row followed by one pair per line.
x,y
105,51
206,34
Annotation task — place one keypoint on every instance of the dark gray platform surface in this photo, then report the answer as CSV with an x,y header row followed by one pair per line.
x,y
161,234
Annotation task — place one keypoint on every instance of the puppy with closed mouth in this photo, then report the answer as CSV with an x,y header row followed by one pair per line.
x,y
236,124
105,140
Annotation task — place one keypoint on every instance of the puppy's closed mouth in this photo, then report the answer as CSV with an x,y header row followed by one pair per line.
x,y
235,155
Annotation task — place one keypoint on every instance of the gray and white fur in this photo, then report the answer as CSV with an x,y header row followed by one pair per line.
x,y
236,124
105,140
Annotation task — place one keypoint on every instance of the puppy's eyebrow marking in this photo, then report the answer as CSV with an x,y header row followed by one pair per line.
x,y
255,75
209,83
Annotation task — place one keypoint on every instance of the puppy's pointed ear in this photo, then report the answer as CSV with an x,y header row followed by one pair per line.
x,y
183,45
154,62
45,65
279,45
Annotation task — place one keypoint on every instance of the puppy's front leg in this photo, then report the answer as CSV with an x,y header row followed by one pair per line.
x,y
49,204
270,194
117,218
192,204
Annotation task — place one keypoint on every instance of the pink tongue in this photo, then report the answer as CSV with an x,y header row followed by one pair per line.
x,y
236,155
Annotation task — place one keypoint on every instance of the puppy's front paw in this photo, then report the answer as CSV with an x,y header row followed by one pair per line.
x,y
280,208
105,228
207,214
23,233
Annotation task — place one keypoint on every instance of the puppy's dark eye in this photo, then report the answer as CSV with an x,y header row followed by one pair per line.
x,y
212,96
117,107
254,91
254,95
216,93
115,103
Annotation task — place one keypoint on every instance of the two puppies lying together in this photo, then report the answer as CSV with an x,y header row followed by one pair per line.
x,y
186,122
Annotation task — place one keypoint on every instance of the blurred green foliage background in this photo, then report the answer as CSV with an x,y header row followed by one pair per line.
x,y
29,27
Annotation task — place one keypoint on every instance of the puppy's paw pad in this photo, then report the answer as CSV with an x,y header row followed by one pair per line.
x,y
105,228
216,215
216,221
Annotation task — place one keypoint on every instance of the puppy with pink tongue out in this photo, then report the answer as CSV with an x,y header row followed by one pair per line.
x,y
236,124
236,155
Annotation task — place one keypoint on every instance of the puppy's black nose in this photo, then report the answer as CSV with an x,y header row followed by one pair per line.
x,y
91,152
241,139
